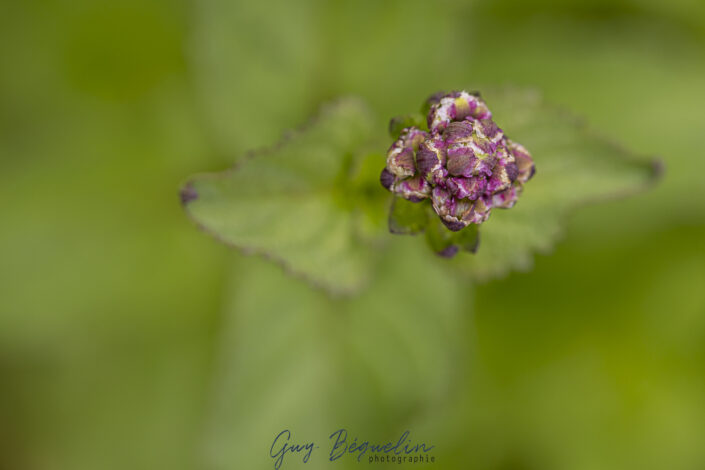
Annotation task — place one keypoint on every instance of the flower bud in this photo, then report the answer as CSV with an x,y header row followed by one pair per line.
x,y
387,179
469,153
401,163
457,213
415,189
431,160
400,175
465,164
506,199
456,106
470,188
525,165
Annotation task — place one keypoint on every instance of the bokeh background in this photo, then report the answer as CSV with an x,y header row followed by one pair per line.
x,y
119,319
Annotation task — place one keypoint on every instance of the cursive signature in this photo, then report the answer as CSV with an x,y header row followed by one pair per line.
x,y
402,450
401,447
281,442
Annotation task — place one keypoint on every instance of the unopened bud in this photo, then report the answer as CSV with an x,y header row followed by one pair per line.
x,y
400,175
456,106
465,164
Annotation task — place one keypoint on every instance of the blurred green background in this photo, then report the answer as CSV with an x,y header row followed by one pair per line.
x,y
128,339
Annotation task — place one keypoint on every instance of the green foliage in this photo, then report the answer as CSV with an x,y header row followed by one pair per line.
x,y
438,236
399,123
290,203
468,239
293,358
406,217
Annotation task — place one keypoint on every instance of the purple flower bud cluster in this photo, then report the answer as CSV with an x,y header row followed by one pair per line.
x,y
464,164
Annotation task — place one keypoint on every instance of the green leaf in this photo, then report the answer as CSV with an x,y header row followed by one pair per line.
x,y
295,202
406,217
574,167
294,358
314,203
439,238
447,243
399,123
468,238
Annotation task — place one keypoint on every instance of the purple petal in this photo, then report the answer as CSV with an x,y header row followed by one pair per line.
x,y
414,189
386,178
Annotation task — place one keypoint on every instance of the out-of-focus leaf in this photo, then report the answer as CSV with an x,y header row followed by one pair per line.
x,y
573,167
406,217
399,123
468,238
292,203
439,238
294,358
256,68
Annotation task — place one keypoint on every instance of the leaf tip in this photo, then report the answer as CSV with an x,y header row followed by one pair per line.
x,y
658,169
449,251
188,193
